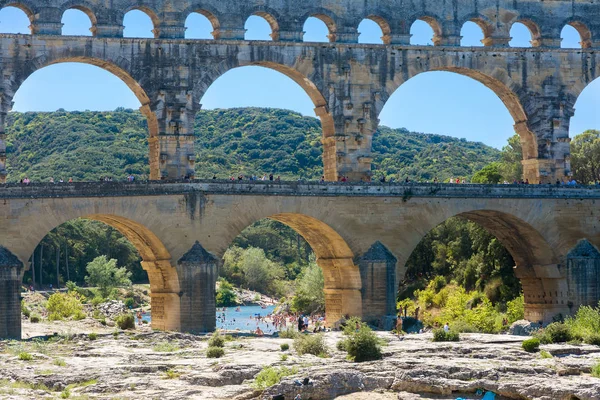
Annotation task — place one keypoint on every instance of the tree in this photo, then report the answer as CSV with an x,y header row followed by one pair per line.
x,y
488,174
106,275
585,156
310,296
225,295
511,167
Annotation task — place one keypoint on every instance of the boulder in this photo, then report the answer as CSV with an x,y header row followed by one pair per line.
x,y
523,328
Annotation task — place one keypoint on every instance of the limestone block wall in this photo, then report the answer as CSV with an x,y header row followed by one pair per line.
x,y
362,235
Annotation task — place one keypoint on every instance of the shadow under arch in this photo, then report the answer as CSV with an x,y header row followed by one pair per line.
x,y
536,262
501,85
309,87
336,259
120,71
156,261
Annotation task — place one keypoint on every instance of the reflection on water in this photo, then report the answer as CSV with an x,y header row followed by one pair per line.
x,y
244,320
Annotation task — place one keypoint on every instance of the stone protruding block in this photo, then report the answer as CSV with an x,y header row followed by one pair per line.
x,y
378,275
197,270
10,302
583,275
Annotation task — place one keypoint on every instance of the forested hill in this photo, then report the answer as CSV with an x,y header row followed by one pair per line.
x,y
87,145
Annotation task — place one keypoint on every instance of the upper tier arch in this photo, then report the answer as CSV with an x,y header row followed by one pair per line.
x,y
495,20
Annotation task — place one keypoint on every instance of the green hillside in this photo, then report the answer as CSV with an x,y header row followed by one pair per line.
x,y
88,145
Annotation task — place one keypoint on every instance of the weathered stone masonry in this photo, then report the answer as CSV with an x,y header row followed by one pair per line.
x,y
349,83
362,236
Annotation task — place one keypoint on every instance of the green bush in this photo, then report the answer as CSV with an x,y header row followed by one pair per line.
x,y
34,319
125,321
24,356
531,345
440,335
352,324
596,371
216,340
545,354
586,324
71,286
311,344
289,333
556,332
26,312
284,347
64,305
270,376
93,336
97,300
129,302
341,345
226,297
363,345
593,339
215,352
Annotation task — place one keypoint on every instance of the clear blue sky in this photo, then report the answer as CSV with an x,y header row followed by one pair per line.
x,y
462,107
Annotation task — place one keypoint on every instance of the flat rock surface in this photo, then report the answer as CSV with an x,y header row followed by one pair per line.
x,y
143,364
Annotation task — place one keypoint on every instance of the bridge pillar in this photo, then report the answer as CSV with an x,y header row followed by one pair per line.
x,y
5,106
545,135
379,285
583,276
197,271
10,300
342,289
347,145
171,125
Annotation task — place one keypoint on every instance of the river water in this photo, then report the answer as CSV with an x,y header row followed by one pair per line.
x,y
244,320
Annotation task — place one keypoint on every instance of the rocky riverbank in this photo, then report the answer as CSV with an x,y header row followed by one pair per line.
x,y
143,364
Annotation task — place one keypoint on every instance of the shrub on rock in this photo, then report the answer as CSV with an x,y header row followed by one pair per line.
x,y
125,321
285,347
215,352
363,345
216,340
531,345
311,344
34,319
440,335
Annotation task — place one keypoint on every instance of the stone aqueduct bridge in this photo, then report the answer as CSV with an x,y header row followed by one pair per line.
x,y
349,83
362,235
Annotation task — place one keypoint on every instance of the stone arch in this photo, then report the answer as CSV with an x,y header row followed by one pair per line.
x,y
534,30
328,18
584,32
536,262
305,82
433,22
156,261
150,12
272,19
119,68
29,14
333,255
23,6
84,8
486,26
499,83
210,15
384,25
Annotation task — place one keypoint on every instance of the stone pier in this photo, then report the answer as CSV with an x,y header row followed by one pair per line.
x,y
197,271
10,299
